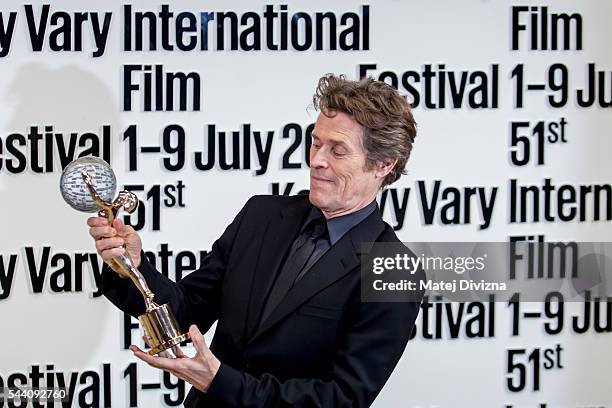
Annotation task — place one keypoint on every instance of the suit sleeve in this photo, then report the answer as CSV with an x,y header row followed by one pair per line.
x,y
366,355
195,299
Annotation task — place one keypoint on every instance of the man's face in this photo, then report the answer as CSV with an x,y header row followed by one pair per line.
x,y
340,181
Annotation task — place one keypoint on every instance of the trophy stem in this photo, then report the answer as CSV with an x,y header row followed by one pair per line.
x,y
125,263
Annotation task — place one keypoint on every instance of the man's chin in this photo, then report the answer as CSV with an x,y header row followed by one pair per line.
x,y
317,199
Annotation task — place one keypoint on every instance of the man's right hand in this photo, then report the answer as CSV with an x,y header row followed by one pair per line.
x,y
110,240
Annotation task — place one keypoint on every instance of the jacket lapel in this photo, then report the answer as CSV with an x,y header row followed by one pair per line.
x,y
277,238
339,260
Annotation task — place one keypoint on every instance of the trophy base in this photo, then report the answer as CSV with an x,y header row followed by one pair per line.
x,y
161,329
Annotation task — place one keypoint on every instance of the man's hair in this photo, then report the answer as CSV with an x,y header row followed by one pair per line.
x,y
389,127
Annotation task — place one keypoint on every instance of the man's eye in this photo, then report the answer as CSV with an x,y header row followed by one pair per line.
x,y
339,152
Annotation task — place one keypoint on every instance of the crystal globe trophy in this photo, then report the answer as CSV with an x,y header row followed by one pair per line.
x,y
88,184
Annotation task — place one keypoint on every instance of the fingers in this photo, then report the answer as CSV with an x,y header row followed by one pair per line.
x,y
168,364
165,354
97,221
99,228
198,371
121,228
149,359
118,224
110,248
111,240
102,232
178,352
198,339
109,255
109,243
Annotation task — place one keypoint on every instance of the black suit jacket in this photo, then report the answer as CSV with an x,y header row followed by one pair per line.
x,y
321,347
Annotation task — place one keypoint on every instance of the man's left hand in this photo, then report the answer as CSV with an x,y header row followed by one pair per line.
x,y
198,370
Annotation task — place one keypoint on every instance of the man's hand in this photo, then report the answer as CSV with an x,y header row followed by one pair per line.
x,y
110,240
198,371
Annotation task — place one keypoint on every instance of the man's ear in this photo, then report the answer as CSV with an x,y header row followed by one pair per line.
x,y
384,167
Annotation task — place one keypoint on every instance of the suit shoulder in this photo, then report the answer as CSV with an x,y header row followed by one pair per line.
x,y
278,201
389,244
388,235
267,203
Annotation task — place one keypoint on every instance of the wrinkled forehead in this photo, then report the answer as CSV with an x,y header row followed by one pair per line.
x,y
338,127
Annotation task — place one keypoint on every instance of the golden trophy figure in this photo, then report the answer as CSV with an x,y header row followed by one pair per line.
x,y
88,184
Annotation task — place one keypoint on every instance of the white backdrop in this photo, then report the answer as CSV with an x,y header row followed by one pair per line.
x,y
51,320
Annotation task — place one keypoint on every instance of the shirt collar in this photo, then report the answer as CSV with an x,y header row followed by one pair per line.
x,y
338,226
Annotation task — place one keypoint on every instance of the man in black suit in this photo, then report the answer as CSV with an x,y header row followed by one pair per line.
x,y
283,281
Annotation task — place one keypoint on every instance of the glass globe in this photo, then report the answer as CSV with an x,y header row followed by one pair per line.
x,y
75,191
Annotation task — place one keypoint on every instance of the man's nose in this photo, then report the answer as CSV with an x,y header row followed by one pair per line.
x,y
318,158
